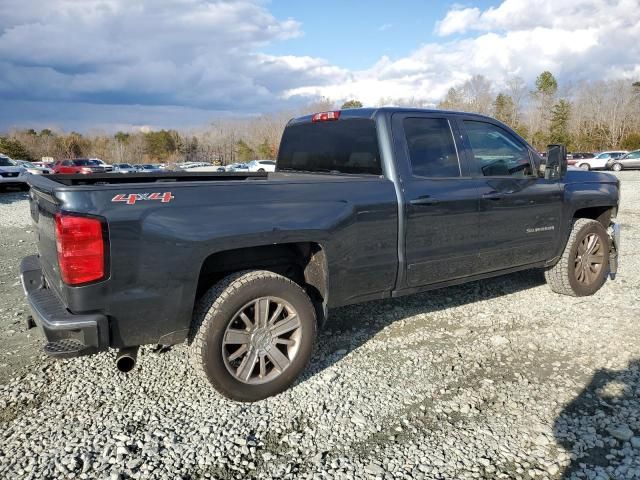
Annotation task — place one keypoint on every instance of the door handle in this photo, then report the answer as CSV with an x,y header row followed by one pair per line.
x,y
493,196
425,200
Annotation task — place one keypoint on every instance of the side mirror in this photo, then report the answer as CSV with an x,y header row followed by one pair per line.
x,y
556,165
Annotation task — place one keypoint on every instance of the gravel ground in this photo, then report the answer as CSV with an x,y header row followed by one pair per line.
x,y
494,379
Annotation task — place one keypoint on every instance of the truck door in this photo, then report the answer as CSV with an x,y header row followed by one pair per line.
x,y
519,211
440,200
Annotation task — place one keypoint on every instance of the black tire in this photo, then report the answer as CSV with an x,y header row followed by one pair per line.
x,y
585,166
562,277
616,167
217,309
261,170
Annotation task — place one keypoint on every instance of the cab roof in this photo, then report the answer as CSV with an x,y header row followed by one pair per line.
x,y
368,112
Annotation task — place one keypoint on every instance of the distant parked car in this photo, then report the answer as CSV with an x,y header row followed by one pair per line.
x,y
123,168
626,162
47,165
80,165
191,165
32,168
575,156
237,167
107,167
11,173
147,168
208,168
599,162
262,166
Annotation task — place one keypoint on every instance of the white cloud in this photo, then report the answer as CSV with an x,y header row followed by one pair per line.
x,y
578,40
457,21
513,15
181,52
384,27
191,59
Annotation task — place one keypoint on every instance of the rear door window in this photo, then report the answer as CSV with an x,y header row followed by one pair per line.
x,y
432,150
341,146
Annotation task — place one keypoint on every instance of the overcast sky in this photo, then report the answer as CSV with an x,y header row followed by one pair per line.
x,y
123,64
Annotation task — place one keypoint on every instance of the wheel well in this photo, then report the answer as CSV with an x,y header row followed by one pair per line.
x,y
303,262
601,214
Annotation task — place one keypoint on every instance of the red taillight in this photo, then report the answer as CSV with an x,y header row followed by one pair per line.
x,y
325,116
81,249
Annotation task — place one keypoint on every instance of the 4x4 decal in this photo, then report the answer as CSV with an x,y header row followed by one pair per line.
x,y
132,198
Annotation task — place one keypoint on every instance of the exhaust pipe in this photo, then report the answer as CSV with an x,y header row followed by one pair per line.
x,y
126,359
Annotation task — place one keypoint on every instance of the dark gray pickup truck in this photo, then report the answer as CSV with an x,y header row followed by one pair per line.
x,y
365,204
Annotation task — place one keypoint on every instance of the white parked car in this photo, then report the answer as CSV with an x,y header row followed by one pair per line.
x,y
599,162
11,173
209,168
236,167
262,166
107,167
32,168
123,168
192,165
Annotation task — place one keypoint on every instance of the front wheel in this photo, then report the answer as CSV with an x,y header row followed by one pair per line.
x,y
584,265
253,334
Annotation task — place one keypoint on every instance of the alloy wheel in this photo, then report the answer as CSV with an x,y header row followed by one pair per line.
x,y
589,259
261,340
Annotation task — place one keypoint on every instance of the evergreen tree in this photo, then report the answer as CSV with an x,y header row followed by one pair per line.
x,y
546,83
504,108
351,104
559,127
244,152
14,149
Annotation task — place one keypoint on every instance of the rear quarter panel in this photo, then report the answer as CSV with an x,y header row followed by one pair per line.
x,y
157,249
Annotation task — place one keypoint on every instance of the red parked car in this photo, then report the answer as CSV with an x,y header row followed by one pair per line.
x,y
80,165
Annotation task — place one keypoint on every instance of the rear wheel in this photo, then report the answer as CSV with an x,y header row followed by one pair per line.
x,y
585,166
616,167
253,334
584,265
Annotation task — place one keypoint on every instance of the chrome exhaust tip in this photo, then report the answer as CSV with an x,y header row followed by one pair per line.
x,y
126,359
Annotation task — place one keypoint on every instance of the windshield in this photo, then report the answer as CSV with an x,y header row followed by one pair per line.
x,y
123,165
6,162
342,146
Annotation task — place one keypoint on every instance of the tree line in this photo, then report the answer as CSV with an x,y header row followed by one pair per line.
x,y
587,117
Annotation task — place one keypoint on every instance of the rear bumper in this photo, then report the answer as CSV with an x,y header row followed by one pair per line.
x,y
21,180
67,334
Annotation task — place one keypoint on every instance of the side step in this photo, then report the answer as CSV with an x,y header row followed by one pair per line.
x,y
67,348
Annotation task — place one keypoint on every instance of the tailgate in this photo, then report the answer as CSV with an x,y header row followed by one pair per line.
x,y
43,208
